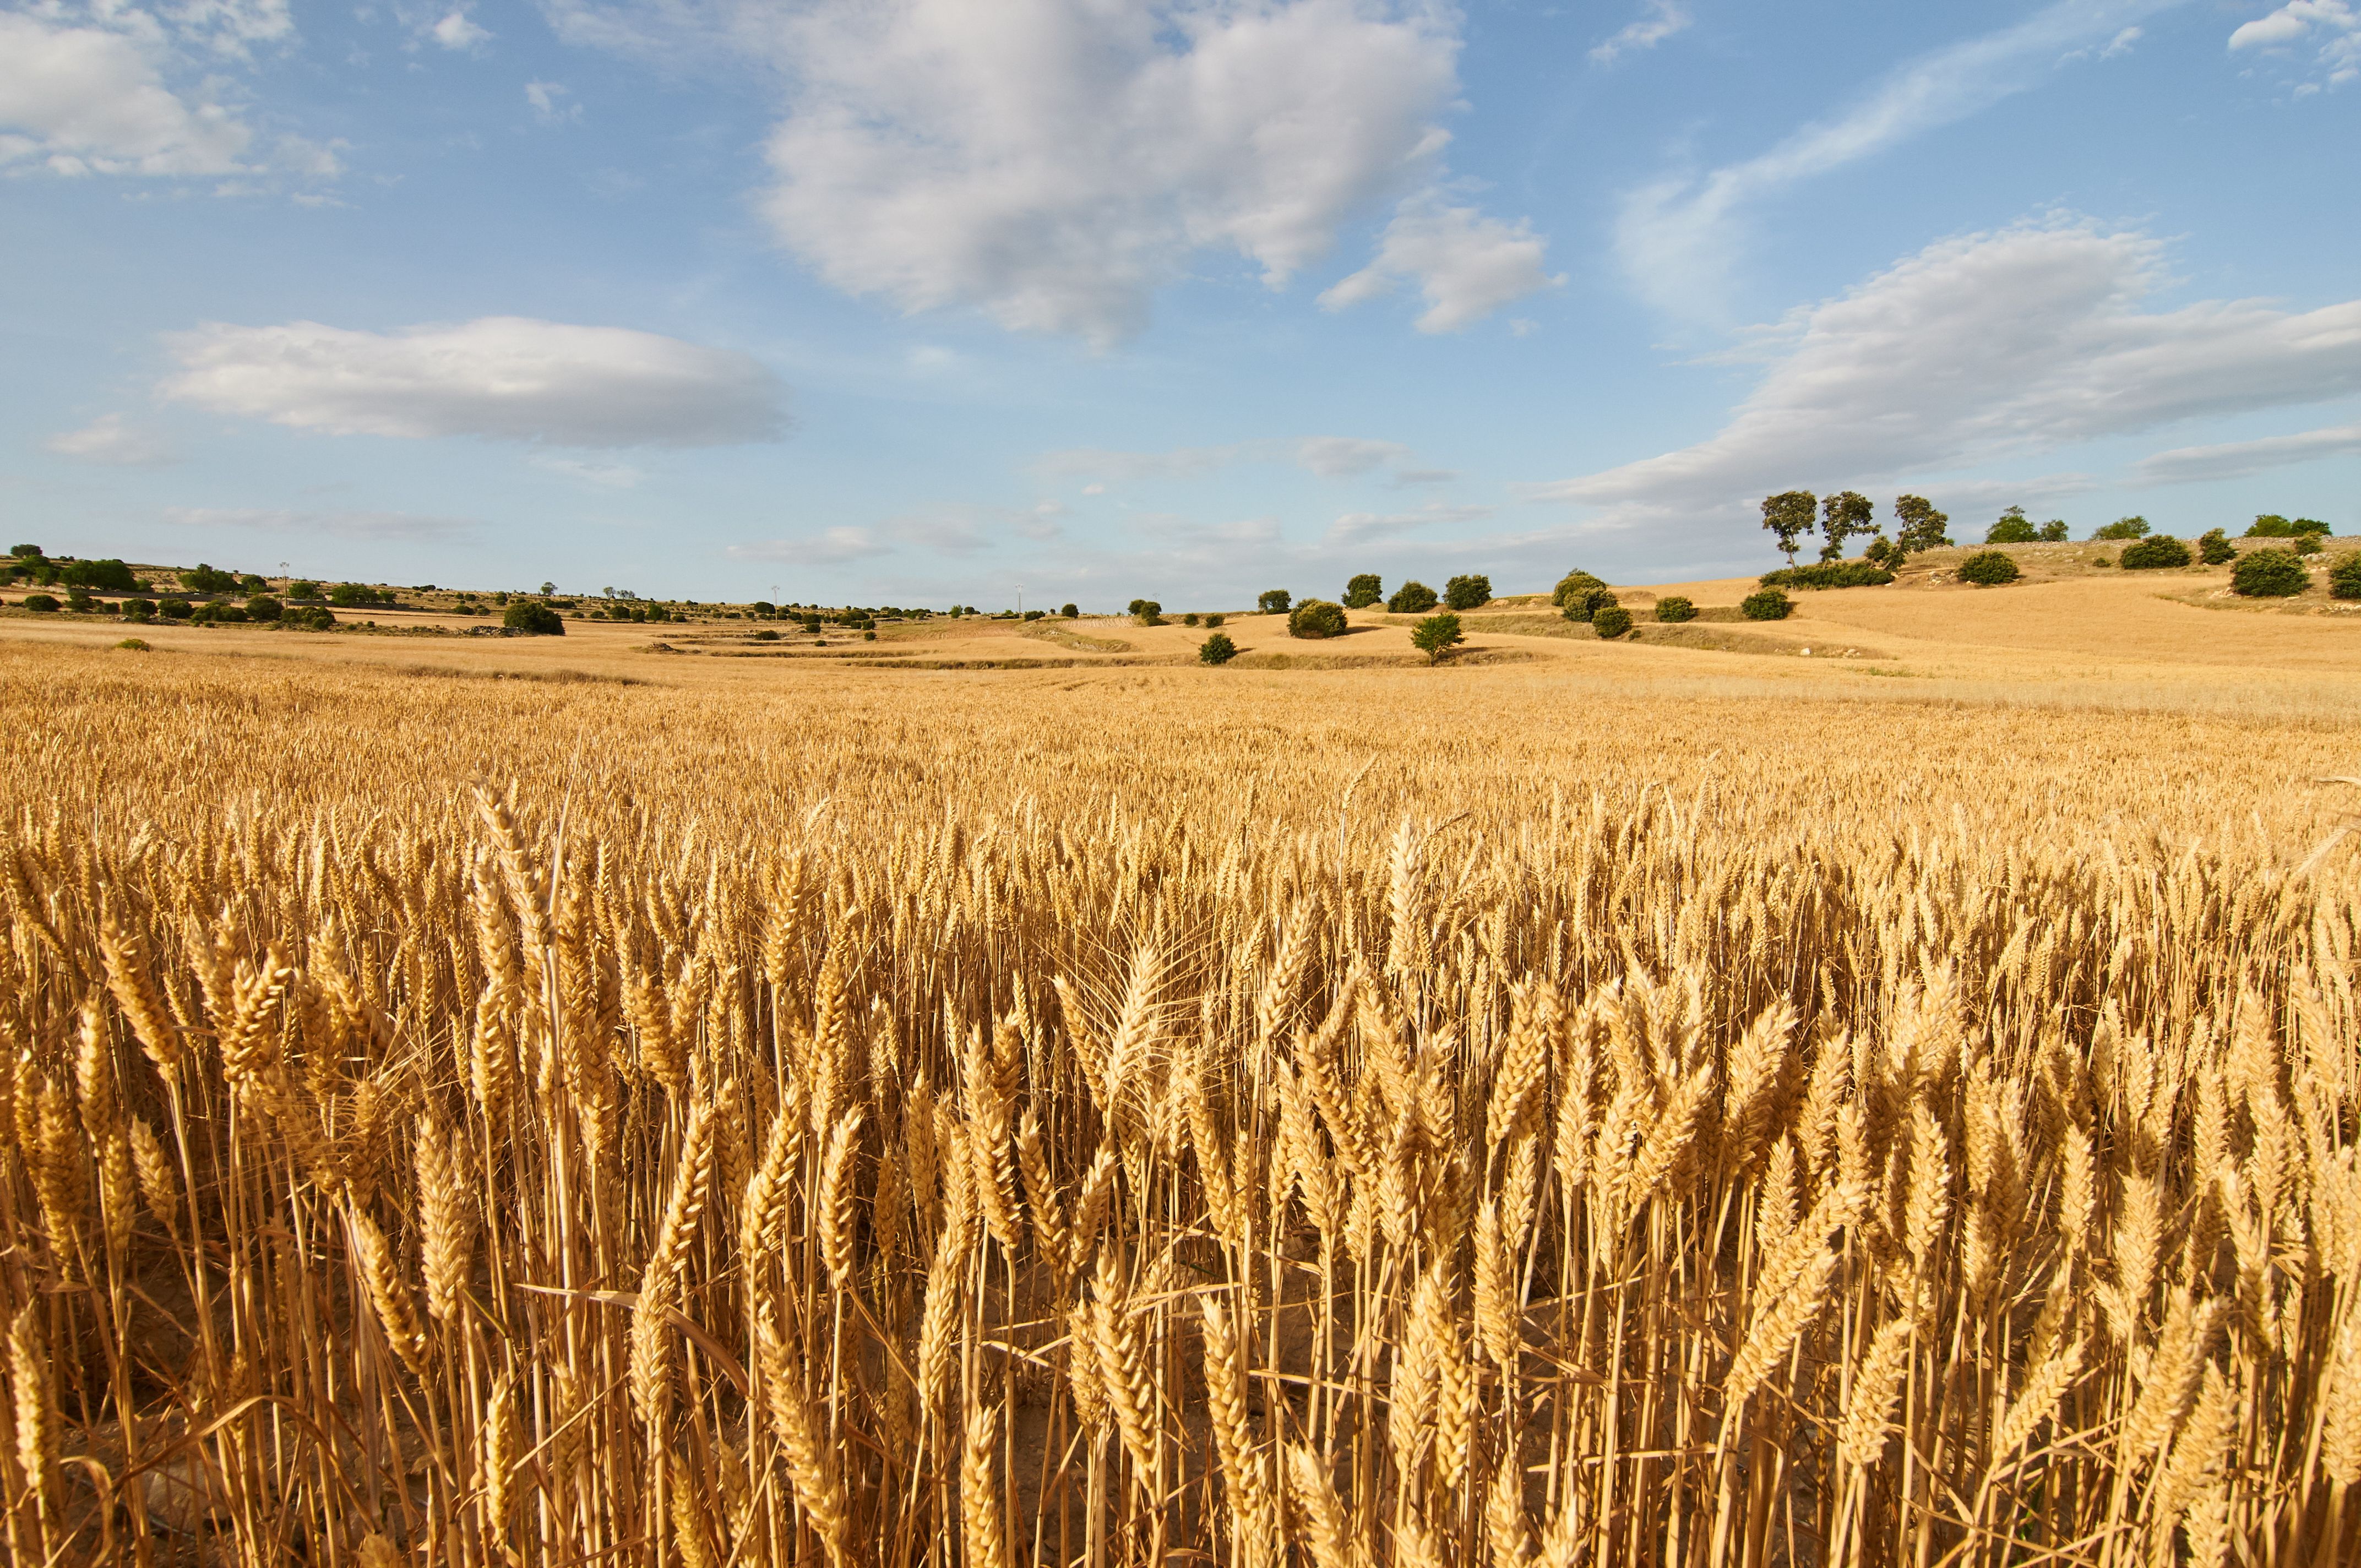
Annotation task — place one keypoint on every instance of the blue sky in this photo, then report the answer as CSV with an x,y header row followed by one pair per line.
x,y
922,301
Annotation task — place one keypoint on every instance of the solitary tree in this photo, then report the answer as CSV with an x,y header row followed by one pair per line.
x,y
1468,592
1069,610
2014,528
1842,516
1411,598
1363,590
547,589
1274,602
1788,516
1436,635
1922,526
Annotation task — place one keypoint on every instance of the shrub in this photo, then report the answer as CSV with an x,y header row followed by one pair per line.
x,y
1273,601
1469,592
140,610
530,620
25,551
1988,568
2307,544
134,644
2271,525
204,579
78,599
2123,528
1038,614
2213,548
309,618
2054,531
1316,618
1766,604
1587,603
1213,620
41,604
764,609
1675,608
303,588
1411,598
2344,577
1363,590
1573,582
250,584
1147,612
1830,575
1189,618
2270,574
1437,635
175,608
210,614
357,595
110,574
1611,622
1883,552
1069,611
2014,528
1217,649
767,635
262,606
2157,551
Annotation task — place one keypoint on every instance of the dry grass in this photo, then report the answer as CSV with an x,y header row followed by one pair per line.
x,y
807,1115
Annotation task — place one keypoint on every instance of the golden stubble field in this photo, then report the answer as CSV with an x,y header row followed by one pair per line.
x,y
556,1101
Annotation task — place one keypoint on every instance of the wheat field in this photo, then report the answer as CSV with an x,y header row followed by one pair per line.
x,y
1105,1118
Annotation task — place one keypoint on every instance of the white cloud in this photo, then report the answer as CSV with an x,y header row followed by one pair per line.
x,y
1676,237
2236,459
370,525
2333,24
1466,264
85,100
548,101
2120,44
1364,528
1659,21
590,471
457,30
1981,348
108,440
832,547
1053,163
1332,456
224,27
504,377
1329,457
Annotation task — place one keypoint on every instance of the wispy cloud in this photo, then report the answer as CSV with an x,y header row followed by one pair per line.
x,y
2236,459
831,547
108,440
360,525
1677,236
1329,457
1365,528
1659,21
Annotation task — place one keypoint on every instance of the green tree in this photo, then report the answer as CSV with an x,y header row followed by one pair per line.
x,y
1585,606
2054,531
1921,527
109,574
1147,612
1315,620
262,606
1788,517
1574,582
2270,574
1675,608
1843,516
2344,577
2157,551
2014,528
1470,592
1411,598
1988,568
1766,604
303,589
1366,589
1611,622
1437,635
2123,528
204,579
1069,610
2213,548
1273,601
1217,649
530,620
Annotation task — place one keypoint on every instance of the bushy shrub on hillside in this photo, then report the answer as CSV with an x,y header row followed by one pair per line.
x,y
2123,528
1588,602
41,604
1363,590
2213,548
212,614
2156,553
1573,583
175,608
2344,577
2307,544
1217,649
1213,620
2271,525
309,618
1411,598
1988,568
1273,601
1471,592
1147,612
527,619
1436,635
140,610
1828,575
1675,608
1766,604
1611,622
1069,610
1316,618
1188,620
262,606
2270,574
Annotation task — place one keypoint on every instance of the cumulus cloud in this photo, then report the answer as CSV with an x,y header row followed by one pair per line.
x,y
366,525
1466,265
457,30
549,102
1983,347
1053,163
502,377
92,100
2236,459
1676,237
2331,28
108,440
1659,21
831,547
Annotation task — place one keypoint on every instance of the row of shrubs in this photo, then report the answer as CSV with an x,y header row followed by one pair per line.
x,y
2260,573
